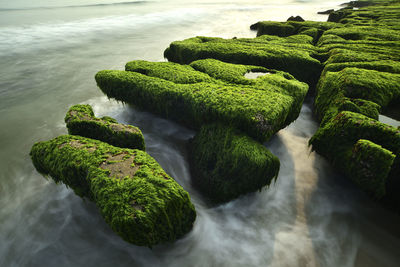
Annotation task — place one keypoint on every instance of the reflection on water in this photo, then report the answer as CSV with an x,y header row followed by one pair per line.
x,y
255,75
388,120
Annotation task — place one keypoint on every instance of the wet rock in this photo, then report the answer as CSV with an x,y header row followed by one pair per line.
x,y
226,163
367,90
135,196
81,121
363,148
209,91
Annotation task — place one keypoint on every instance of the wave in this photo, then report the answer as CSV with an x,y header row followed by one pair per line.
x,y
75,6
43,36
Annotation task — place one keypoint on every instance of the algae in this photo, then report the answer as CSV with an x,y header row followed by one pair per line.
x,y
294,54
81,121
140,202
259,107
225,163
363,148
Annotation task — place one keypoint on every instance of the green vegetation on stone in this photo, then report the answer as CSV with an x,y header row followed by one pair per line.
x,y
337,91
140,202
294,54
81,121
288,28
371,13
259,107
180,74
363,148
369,166
226,163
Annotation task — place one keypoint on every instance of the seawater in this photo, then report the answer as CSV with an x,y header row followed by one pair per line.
x,y
49,54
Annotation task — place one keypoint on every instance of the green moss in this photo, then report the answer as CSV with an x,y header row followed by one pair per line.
x,y
226,163
356,51
368,164
352,83
294,54
142,204
231,73
378,13
360,78
259,107
288,28
365,33
380,65
349,127
169,71
81,121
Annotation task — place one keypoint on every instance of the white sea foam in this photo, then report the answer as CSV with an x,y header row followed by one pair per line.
x,y
15,40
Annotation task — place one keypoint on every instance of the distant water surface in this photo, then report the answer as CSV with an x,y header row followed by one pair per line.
x,y
49,53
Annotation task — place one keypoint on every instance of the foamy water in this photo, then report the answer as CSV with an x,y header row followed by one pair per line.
x,y
49,54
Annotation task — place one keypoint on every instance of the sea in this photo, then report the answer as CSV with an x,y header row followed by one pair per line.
x,y
50,51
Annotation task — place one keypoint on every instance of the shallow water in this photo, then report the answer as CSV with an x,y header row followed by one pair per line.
x,y
255,75
49,53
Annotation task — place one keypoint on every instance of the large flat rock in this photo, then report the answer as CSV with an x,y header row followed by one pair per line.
x,y
294,54
209,91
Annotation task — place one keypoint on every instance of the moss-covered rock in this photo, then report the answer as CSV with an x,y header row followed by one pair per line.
x,y
259,107
140,202
361,68
365,33
380,65
370,13
288,28
348,127
81,121
337,91
226,163
363,148
361,78
180,74
369,166
294,54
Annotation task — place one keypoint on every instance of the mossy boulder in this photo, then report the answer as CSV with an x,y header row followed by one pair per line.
x,y
260,107
294,54
140,202
288,28
81,121
353,89
363,148
226,163
369,166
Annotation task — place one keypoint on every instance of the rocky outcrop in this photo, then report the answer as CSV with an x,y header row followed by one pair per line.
x,y
81,121
226,163
359,49
363,148
140,202
294,54
188,94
